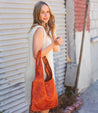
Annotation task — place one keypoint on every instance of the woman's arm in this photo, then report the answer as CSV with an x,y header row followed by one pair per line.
x,y
56,48
38,40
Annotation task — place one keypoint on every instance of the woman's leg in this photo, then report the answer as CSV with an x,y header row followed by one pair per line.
x,y
32,111
45,111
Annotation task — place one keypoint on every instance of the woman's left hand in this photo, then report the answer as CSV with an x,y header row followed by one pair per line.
x,y
58,41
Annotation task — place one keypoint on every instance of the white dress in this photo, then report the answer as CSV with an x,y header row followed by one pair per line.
x,y
30,70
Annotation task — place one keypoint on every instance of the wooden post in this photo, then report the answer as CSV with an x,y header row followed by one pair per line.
x,y
81,51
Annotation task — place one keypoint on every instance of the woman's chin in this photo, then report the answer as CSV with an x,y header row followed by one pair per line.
x,y
45,22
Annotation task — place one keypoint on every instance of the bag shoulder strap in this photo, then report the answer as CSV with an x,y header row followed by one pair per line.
x,y
48,69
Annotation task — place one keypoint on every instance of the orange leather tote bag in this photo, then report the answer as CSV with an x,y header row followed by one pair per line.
x,y
43,93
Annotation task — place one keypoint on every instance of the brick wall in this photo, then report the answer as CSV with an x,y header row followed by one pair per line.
x,y
80,6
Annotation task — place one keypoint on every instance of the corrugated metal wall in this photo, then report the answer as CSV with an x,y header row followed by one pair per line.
x,y
15,22
60,58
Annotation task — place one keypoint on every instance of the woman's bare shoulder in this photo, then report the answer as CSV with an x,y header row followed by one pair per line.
x,y
39,32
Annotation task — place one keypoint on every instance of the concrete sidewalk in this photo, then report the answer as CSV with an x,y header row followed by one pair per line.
x,y
90,100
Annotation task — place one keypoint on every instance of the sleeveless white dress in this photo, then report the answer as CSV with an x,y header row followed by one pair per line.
x,y
30,70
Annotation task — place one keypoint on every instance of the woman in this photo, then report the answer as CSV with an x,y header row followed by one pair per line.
x,y
41,37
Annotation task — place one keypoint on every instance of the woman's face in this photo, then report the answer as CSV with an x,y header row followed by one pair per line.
x,y
45,14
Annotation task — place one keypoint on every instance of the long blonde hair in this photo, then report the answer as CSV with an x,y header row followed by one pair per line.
x,y
50,26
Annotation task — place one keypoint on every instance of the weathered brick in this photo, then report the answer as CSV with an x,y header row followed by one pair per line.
x,y
80,6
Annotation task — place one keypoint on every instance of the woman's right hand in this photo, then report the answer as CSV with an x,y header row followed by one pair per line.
x,y
58,41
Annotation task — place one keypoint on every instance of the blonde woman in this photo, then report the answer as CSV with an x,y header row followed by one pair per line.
x,y
41,37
